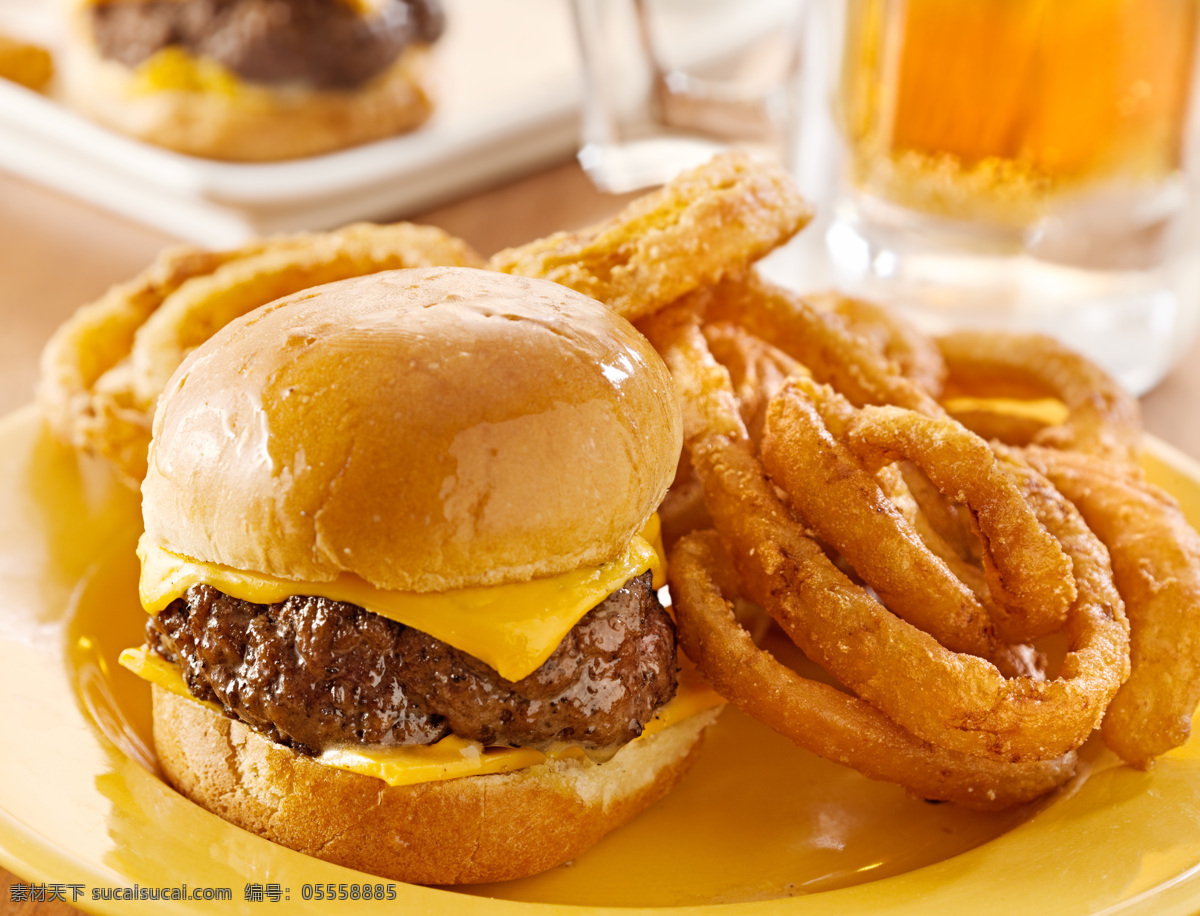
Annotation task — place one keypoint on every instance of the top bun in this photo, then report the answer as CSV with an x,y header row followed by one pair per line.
x,y
425,429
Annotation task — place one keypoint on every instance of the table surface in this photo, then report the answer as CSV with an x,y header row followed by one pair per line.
x,y
57,254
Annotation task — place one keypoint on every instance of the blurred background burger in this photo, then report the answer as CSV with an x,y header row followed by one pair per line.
x,y
253,79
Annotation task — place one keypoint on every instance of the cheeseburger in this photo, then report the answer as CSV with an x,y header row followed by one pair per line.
x,y
253,79
401,560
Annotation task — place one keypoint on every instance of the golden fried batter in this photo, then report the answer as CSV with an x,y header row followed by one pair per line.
x,y
707,224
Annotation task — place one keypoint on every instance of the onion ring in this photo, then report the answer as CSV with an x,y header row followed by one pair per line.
x,y
204,305
964,564
25,64
1027,573
954,700
757,370
823,719
846,507
100,370
706,224
1156,567
833,353
1007,420
100,417
914,355
1103,418
682,509
940,521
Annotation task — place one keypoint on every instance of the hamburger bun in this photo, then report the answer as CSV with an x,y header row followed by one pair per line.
x,y
424,430
387,426
193,105
458,831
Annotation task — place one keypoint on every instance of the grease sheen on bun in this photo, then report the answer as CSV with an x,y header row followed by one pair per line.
x,y
425,429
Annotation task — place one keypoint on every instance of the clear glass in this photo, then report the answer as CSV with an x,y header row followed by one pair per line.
x,y
1022,164
670,82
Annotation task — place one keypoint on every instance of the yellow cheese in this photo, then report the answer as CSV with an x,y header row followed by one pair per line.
x,y
174,69
451,757
513,627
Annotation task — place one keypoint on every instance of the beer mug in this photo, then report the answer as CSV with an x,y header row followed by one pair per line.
x,y
1022,165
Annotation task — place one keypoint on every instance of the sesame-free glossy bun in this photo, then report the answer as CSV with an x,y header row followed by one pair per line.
x,y
458,831
425,429
249,123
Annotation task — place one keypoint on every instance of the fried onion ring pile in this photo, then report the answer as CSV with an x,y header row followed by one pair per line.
x,y
1156,566
954,701
956,530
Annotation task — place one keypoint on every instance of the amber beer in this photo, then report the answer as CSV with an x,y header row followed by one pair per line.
x,y
991,109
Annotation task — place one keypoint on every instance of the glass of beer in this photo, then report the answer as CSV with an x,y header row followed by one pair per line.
x,y
1025,165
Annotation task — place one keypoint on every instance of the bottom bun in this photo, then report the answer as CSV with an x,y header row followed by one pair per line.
x,y
458,831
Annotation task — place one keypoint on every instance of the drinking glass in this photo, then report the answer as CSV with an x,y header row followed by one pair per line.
x,y
670,82
1023,165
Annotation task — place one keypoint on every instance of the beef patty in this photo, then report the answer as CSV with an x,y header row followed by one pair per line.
x,y
310,672
322,44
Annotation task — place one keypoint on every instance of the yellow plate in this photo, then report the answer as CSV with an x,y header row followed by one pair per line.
x,y
758,824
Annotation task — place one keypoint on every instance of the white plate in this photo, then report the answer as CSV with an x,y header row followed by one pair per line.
x,y
509,94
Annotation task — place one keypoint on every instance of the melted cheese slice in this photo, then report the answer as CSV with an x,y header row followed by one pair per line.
x,y
175,70
452,757
514,628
